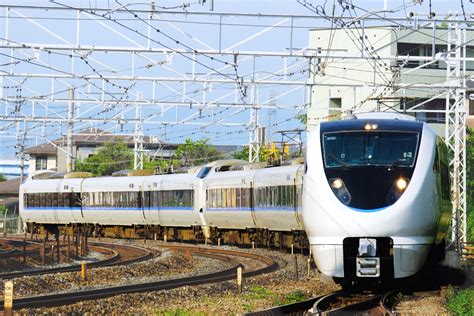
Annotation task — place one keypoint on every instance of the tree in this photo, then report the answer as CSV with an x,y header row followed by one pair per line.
x,y
303,118
195,153
470,183
114,156
2,177
162,165
264,154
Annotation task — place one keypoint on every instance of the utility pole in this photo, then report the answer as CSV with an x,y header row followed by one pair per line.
x,y
254,127
70,126
138,138
455,130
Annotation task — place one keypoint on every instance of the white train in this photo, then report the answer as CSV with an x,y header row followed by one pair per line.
x,y
376,196
375,201
230,200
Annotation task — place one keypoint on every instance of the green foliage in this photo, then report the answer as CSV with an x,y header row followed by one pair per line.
x,y
470,183
258,292
303,118
3,209
264,154
114,156
195,153
161,165
290,298
180,312
2,177
460,302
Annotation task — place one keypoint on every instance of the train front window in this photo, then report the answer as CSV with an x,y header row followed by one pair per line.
x,y
354,148
203,172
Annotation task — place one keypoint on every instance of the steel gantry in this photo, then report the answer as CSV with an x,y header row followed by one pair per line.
x,y
455,129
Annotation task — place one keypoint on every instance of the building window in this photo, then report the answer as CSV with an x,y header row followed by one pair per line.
x,y
41,162
335,108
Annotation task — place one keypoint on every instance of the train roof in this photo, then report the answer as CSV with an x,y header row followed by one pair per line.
x,y
381,121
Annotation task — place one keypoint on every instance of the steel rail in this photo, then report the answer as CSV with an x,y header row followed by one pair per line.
x,y
373,303
114,260
295,309
59,299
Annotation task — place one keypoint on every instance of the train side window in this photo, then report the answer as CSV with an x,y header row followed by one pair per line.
x,y
211,201
225,197
30,199
436,166
238,199
246,199
445,181
55,200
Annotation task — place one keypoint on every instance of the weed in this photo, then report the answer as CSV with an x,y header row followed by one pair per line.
x,y
180,312
290,298
258,292
460,302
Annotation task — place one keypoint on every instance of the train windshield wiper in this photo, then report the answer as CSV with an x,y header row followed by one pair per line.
x,y
338,160
397,163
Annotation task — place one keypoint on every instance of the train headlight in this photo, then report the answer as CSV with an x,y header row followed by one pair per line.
x,y
337,183
397,190
340,190
401,184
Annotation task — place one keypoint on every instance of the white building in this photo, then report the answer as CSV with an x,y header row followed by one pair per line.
x,y
350,84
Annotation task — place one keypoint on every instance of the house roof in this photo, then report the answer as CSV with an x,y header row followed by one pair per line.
x,y
94,137
10,187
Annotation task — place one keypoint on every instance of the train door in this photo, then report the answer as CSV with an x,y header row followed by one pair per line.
x,y
55,203
141,203
200,205
252,203
75,205
150,203
298,196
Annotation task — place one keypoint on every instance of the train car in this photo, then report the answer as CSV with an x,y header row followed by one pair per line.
x,y
277,198
51,200
376,197
230,200
249,203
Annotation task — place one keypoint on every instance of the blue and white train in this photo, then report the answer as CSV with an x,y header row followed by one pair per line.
x,y
376,196
371,201
228,200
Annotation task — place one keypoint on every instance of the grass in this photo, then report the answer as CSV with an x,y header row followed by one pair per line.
x,y
290,298
181,312
256,292
460,302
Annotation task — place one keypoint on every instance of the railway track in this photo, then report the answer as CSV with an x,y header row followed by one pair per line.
x,y
118,255
13,246
337,303
229,256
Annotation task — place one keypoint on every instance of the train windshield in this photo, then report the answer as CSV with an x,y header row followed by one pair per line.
x,y
359,148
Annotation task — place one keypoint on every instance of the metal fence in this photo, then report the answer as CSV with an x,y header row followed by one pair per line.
x,y
10,221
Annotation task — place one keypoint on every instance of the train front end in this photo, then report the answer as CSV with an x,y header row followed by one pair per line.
x,y
371,205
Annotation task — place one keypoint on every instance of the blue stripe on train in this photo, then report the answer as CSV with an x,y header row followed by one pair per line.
x,y
171,208
247,209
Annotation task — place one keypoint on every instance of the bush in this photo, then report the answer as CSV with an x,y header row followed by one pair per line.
x,y
290,298
460,302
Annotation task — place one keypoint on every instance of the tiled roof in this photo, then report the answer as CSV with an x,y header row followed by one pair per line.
x,y
94,137
10,187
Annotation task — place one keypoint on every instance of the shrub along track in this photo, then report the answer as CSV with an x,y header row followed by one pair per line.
x,y
230,256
